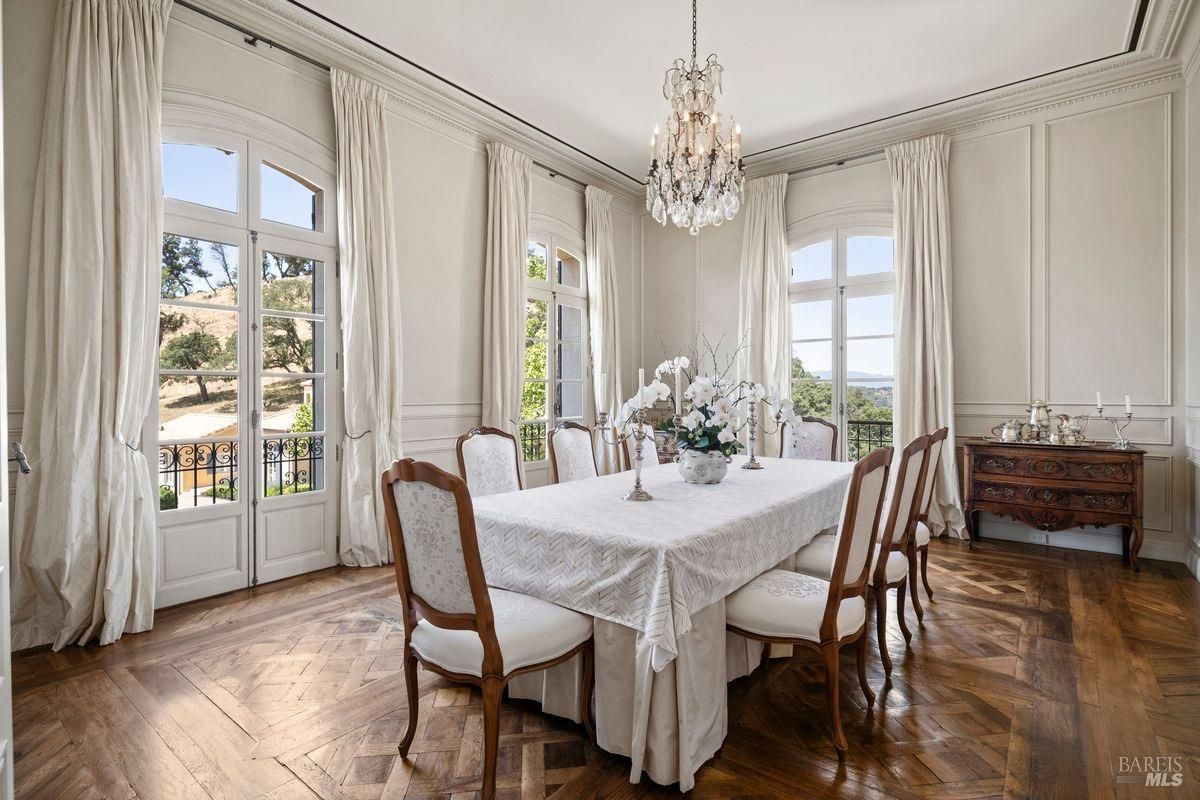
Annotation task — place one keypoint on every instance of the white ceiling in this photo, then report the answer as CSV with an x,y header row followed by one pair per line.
x,y
590,73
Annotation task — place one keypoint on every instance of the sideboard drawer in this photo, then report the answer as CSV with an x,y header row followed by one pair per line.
x,y
1074,498
1054,466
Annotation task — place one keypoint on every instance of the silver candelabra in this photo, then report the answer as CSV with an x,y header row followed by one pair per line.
x,y
752,435
639,422
1118,428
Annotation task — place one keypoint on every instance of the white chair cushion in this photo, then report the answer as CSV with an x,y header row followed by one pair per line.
x,y
790,605
816,559
530,630
921,535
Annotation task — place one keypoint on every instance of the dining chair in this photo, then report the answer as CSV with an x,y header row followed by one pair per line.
x,y
784,607
489,460
921,533
456,625
811,437
572,456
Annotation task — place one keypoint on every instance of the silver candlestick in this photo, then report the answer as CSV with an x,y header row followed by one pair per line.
x,y
638,420
752,424
1118,428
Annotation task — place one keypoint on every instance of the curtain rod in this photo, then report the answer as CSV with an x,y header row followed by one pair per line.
x,y
837,162
251,38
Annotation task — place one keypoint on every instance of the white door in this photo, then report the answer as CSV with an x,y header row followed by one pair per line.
x,y
248,368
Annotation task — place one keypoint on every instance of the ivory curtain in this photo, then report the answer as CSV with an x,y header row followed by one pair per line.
x,y
925,362
603,319
370,305
763,290
504,285
84,530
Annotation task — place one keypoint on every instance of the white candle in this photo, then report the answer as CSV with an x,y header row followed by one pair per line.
x,y
641,385
1128,408
1099,403
678,391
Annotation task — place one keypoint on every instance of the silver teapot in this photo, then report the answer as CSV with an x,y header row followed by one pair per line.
x,y
1011,431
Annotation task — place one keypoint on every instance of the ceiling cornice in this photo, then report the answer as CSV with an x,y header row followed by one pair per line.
x,y
414,89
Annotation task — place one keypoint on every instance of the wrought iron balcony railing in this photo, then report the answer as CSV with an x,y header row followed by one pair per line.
x,y
865,435
192,474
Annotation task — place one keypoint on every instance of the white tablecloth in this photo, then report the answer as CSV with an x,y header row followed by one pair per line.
x,y
657,570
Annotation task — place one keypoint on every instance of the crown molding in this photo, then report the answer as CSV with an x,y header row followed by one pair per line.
x,y
414,91
1076,85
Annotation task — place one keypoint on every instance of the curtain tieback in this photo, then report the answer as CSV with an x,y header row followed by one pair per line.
x,y
121,439
352,436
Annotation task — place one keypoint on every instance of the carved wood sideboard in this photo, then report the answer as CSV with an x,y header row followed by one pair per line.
x,y
1055,487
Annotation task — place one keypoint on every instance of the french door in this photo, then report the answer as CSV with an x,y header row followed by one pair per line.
x,y
248,368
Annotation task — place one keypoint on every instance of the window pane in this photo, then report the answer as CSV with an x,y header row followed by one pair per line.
x,y
198,270
292,283
813,398
195,407
812,320
873,315
868,255
536,359
536,326
869,359
570,271
292,405
206,176
535,262
570,324
192,474
288,199
812,360
570,362
292,464
533,400
813,263
292,345
197,338
570,399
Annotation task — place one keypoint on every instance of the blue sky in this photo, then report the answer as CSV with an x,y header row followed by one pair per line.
x,y
209,177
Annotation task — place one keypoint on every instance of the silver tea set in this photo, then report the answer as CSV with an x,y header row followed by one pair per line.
x,y
1039,428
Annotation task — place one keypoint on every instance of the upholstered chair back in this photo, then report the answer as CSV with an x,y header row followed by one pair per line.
x,y
571,454
432,526
489,461
936,440
859,527
810,438
907,487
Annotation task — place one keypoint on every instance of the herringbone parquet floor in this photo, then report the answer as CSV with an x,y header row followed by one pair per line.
x,y
1035,671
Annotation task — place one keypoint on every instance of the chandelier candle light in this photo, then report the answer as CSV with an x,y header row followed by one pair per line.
x,y
696,176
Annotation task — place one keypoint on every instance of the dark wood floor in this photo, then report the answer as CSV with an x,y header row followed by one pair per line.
x,y
1036,670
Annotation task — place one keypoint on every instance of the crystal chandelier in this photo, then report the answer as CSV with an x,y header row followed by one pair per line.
x,y
696,176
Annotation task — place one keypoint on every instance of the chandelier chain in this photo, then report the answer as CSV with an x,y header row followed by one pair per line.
x,y
693,31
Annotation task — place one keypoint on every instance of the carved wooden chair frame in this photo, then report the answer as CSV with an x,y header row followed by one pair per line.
x,y
492,679
833,442
553,456
931,472
840,589
485,430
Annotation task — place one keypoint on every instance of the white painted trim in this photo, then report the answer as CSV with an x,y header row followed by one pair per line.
x,y
1090,540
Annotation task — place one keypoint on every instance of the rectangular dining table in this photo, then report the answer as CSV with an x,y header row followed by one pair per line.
x,y
655,575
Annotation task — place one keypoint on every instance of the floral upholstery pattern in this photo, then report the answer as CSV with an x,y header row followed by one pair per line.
x,y
573,455
433,549
491,465
810,440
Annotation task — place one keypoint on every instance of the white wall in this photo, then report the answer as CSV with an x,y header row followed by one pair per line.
x,y
440,183
1068,277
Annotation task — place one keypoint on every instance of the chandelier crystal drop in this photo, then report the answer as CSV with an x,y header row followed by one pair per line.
x,y
696,176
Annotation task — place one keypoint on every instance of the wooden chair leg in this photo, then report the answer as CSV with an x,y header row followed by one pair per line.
x,y
492,689
410,682
901,590
912,585
881,627
832,675
587,689
925,571
861,647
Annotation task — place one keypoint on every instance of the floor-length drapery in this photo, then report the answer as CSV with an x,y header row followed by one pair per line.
x,y
370,306
763,292
84,530
504,285
603,317
925,359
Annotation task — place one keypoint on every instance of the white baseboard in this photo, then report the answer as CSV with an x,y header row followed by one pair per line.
x,y
1101,540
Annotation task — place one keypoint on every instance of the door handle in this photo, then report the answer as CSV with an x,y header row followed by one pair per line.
x,y
19,457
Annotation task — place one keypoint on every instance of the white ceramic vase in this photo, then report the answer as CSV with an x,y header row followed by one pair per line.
x,y
698,467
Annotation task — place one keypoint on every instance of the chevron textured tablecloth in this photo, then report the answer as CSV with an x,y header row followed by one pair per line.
x,y
652,565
